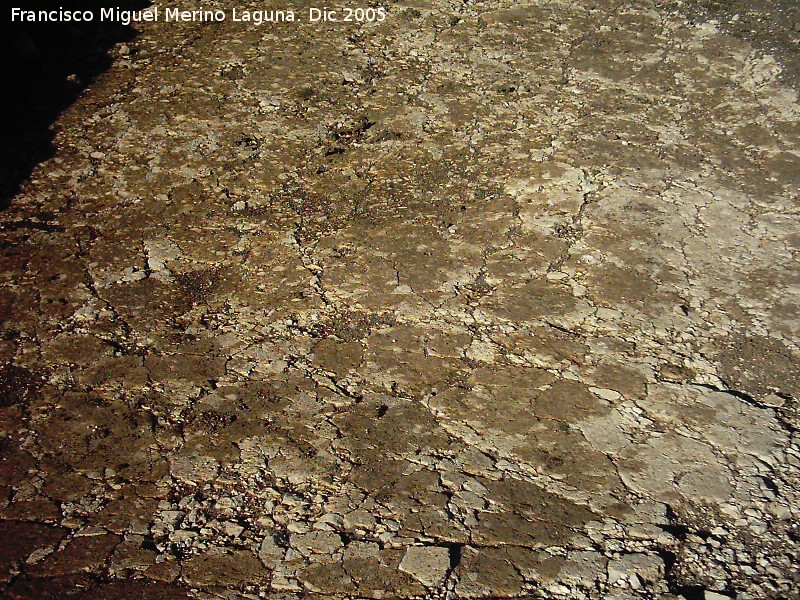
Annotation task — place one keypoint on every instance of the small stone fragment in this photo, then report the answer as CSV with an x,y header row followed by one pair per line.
x,y
427,564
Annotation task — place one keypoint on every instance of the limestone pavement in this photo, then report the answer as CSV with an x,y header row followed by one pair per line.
x,y
490,299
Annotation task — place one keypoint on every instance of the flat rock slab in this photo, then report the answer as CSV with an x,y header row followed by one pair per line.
x,y
486,299
428,565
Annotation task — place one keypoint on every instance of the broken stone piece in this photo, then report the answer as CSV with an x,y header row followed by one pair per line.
x,y
426,564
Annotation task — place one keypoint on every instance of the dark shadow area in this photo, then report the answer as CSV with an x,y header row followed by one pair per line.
x,y
769,25
45,68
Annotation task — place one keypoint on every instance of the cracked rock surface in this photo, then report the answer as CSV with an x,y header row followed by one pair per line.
x,y
491,299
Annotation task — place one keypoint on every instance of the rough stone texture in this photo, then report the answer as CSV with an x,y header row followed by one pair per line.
x,y
492,299
428,565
